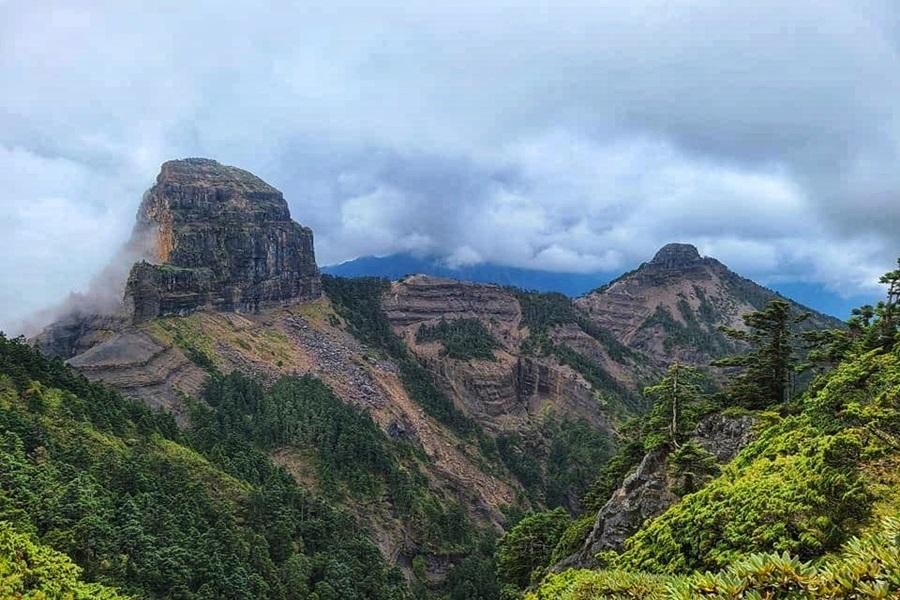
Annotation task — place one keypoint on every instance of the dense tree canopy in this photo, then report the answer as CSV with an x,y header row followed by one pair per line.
x,y
769,366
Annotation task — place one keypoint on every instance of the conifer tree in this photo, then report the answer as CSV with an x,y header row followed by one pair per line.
x,y
677,398
887,312
869,327
770,363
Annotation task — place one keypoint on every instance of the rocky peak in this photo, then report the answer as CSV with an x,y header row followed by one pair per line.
x,y
221,238
200,191
672,307
676,256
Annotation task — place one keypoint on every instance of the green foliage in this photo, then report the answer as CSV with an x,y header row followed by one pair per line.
x,y
862,393
867,567
577,450
351,454
575,584
358,301
678,403
462,338
517,453
556,462
116,488
769,366
797,493
543,311
33,571
689,333
29,372
799,487
594,374
474,578
627,456
349,448
529,546
573,537
869,328
199,357
785,492
691,466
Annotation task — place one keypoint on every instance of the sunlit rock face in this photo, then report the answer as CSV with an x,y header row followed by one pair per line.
x,y
223,239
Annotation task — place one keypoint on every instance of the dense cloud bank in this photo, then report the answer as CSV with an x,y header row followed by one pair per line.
x,y
576,137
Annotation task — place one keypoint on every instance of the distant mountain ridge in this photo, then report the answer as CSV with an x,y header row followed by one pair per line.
x,y
395,266
573,285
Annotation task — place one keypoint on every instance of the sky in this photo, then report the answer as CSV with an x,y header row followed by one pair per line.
x,y
565,136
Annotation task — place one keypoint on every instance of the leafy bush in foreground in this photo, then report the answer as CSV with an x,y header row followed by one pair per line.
x,y
868,567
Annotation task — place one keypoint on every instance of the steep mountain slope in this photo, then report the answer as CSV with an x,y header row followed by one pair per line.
x,y
207,236
229,249
158,512
228,298
505,388
671,307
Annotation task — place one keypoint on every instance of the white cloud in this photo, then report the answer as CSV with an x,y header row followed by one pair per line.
x,y
576,136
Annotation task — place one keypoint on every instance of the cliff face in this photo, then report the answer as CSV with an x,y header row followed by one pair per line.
x,y
207,236
222,239
649,490
671,307
504,393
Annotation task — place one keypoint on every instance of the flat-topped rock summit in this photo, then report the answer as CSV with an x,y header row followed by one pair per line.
x,y
207,237
221,238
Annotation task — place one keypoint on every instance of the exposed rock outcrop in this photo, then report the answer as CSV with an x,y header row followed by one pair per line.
x,y
224,240
648,491
724,436
676,256
77,332
207,236
671,308
503,393
143,368
420,298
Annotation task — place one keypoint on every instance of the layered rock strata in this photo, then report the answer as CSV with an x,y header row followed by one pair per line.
x,y
223,240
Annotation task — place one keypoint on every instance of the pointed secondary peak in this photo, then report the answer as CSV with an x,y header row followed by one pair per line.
x,y
676,256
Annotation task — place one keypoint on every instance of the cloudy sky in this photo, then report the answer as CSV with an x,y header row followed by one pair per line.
x,y
554,135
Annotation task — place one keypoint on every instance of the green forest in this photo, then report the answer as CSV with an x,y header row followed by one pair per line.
x,y
101,497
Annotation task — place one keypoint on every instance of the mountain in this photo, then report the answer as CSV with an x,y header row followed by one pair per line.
x,y
672,307
395,266
431,412
220,238
809,507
